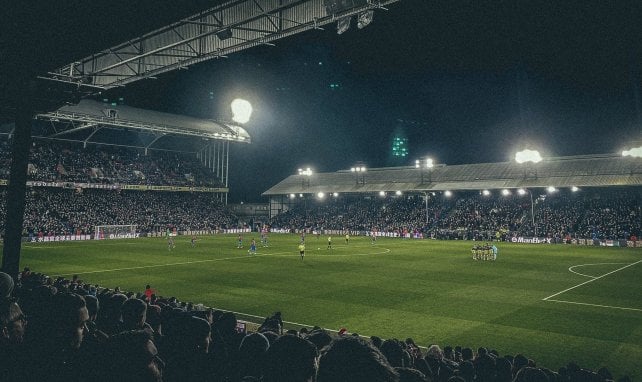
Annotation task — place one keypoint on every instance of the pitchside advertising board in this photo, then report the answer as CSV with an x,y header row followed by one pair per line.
x,y
595,242
56,238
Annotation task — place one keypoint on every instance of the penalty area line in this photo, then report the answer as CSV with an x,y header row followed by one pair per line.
x,y
596,305
591,280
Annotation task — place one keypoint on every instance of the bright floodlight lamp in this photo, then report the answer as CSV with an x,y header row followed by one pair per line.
x,y
575,189
335,194
359,173
241,110
521,191
306,172
320,195
424,163
382,193
485,192
448,194
634,152
551,189
398,193
292,196
505,192
525,156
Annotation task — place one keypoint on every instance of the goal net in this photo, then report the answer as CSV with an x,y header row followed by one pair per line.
x,y
104,232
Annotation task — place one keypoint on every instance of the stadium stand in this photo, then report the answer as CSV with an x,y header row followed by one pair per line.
x,y
52,161
599,213
68,330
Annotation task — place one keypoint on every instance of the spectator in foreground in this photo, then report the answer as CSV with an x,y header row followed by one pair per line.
x,y
291,359
351,359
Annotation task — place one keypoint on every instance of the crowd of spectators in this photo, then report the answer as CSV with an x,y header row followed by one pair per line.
x,y
58,211
591,214
68,330
605,214
57,161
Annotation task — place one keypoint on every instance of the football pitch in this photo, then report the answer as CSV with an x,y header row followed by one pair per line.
x,y
554,303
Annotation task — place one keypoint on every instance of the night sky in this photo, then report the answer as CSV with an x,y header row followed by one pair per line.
x,y
464,81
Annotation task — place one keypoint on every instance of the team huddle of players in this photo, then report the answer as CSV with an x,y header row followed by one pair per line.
x,y
484,252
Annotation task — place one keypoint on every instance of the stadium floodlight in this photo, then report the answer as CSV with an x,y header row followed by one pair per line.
x,y
335,194
382,193
365,18
292,196
300,195
551,189
321,195
485,192
241,110
359,171
525,156
634,152
343,24
425,164
398,193
505,192
575,189
306,172
448,193
521,191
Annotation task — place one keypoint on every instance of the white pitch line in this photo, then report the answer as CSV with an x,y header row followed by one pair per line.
x,y
570,269
597,305
277,254
591,280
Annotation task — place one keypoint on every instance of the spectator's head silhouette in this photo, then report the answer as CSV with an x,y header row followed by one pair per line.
x,y
134,314
12,323
351,359
291,359
133,358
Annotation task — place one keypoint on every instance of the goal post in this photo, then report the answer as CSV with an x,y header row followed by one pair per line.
x,y
106,232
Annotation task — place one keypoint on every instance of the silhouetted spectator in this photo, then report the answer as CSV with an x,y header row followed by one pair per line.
x,y
133,357
351,359
291,359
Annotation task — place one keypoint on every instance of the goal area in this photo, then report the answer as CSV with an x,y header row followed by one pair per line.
x,y
106,232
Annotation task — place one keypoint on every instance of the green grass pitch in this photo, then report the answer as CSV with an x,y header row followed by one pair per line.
x,y
554,303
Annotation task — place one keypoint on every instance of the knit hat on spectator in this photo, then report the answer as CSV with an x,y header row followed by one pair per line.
x,y
6,285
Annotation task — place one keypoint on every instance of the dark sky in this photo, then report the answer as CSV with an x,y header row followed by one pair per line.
x,y
464,81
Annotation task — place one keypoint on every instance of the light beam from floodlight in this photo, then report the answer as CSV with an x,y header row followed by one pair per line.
x,y
241,110
528,156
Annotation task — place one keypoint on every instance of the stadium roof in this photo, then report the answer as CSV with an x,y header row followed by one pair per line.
x,y
580,171
90,114
225,28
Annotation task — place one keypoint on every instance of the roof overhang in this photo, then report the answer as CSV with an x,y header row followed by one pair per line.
x,y
89,114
